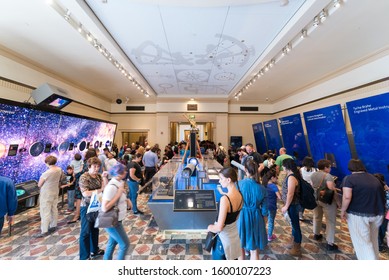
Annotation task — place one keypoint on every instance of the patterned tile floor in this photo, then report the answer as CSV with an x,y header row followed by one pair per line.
x,y
148,243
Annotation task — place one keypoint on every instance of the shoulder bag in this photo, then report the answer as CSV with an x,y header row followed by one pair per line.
x,y
109,218
325,194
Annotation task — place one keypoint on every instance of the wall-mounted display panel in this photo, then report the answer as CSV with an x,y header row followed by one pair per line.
x,y
273,137
293,136
29,134
328,139
259,136
369,119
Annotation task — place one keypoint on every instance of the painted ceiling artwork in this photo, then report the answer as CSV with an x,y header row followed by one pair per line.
x,y
191,49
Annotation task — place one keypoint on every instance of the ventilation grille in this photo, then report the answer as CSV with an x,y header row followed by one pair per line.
x,y
248,109
135,108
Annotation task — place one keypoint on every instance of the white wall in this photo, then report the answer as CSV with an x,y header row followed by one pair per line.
x,y
15,69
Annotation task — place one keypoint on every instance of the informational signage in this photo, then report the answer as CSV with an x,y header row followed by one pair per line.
x,y
293,137
328,139
194,200
259,137
369,119
272,135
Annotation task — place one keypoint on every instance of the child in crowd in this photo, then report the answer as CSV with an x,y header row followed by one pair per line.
x,y
270,183
70,185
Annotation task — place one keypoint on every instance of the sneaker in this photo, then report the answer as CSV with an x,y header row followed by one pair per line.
x,y
332,247
52,229
317,237
138,213
271,238
100,252
301,217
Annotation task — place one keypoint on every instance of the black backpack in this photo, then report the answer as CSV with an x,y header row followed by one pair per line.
x,y
307,195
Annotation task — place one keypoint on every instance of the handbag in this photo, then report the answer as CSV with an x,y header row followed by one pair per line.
x,y
107,219
209,241
325,194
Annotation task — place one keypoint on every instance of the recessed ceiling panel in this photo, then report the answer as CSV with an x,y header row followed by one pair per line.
x,y
190,50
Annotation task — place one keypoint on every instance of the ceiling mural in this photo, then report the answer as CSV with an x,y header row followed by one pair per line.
x,y
193,50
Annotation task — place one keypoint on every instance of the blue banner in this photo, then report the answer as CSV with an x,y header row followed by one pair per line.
x,y
293,137
369,119
259,137
328,138
272,135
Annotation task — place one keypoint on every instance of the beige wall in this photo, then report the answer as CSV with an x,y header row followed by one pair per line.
x,y
136,122
241,125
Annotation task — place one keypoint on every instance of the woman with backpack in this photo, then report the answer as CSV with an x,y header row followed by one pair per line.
x,y
291,196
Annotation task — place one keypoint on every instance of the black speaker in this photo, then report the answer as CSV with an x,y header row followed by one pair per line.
x,y
119,101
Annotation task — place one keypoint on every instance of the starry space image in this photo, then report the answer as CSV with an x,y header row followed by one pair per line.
x,y
28,135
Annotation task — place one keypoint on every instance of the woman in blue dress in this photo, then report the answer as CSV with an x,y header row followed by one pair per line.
x,y
252,218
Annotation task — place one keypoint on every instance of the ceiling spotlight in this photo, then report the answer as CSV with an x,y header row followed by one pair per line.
x,y
323,15
271,63
89,37
67,15
337,3
316,21
147,95
287,49
261,73
304,34
80,28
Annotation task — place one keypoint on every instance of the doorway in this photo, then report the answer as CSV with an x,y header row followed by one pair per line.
x,y
180,131
134,136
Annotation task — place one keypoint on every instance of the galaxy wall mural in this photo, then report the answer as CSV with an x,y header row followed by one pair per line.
x,y
29,134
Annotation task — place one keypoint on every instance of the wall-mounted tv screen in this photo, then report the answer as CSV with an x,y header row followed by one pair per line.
x,y
28,134
59,102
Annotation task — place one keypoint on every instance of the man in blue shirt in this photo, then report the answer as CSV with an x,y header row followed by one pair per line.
x,y
150,162
8,200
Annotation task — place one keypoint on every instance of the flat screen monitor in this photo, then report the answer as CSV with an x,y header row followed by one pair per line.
x,y
59,102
